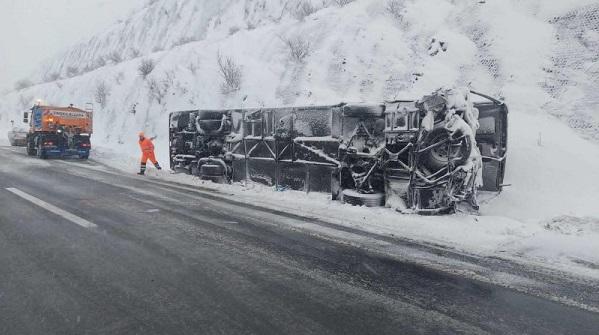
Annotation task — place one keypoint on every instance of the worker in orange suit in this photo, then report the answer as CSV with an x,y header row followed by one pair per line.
x,y
147,153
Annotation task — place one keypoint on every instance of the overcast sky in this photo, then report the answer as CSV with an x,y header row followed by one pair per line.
x,y
33,30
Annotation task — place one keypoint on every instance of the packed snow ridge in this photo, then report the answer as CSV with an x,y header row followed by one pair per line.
x,y
539,56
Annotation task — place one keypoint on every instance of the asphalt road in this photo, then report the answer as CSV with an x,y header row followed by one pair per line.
x,y
88,252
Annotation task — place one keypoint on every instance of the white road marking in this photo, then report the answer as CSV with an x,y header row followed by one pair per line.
x,y
51,208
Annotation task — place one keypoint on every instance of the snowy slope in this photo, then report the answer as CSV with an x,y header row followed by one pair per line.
x,y
539,56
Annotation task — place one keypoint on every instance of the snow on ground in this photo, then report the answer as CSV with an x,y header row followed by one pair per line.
x,y
565,242
368,50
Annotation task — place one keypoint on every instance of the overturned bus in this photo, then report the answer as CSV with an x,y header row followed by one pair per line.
x,y
418,156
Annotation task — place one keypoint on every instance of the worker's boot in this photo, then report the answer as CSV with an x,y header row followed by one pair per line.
x,y
158,166
142,170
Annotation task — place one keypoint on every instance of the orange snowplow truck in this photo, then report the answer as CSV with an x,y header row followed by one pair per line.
x,y
59,131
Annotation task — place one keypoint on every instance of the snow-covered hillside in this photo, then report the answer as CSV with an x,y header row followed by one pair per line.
x,y
540,56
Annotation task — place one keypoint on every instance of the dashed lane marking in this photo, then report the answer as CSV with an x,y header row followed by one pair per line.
x,y
51,208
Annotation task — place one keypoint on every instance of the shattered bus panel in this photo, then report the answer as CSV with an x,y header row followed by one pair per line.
x,y
422,156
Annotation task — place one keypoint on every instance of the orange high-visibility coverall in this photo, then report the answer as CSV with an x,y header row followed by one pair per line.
x,y
147,150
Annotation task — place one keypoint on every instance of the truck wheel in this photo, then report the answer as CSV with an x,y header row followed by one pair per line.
x,y
437,158
40,153
354,198
212,170
84,157
30,143
30,150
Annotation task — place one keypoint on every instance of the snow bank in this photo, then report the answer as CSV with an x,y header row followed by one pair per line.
x,y
551,170
565,243
368,50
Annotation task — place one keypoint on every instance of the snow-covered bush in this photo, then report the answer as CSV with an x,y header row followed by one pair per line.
x,y
303,9
99,62
299,48
135,53
115,57
87,68
231,74
23,84
435,46
342,3
72,71
169,78
52,76
158,89
146,67
101,93
395,8
183,41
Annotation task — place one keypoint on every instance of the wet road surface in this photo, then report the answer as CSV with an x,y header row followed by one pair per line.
x,y
88,252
